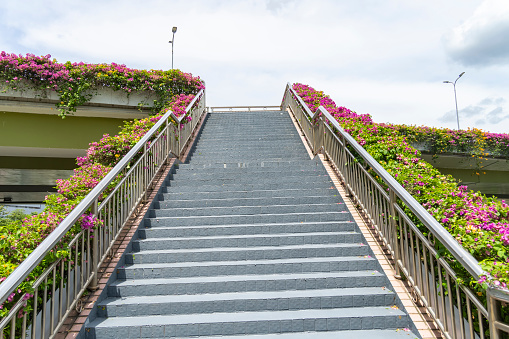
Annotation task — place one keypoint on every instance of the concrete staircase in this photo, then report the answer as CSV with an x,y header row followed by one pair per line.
x,y
250,239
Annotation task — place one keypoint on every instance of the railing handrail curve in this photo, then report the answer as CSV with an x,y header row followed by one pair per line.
x,y
459,253
25,268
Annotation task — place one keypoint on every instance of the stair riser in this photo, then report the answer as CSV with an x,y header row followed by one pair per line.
x,y
266,254
229,242
249,219
288,284
253,327
244,145
289,192
260,175
246,186
260,139
246,210
247,305
175,232
242,269
184,172
302,181
247,202
259,165
252,150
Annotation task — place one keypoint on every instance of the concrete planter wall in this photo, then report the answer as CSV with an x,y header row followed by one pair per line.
x,y
101,96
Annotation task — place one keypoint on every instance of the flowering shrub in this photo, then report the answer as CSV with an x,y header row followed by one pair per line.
x,y
443,140
479,223
75,83
18,239
110,149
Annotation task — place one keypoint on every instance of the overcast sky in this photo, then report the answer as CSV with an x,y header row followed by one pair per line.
x,y
386,58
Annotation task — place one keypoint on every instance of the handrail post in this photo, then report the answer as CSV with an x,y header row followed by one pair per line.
x,y
168,145
494,298
346,176
94,286
394,226
321,130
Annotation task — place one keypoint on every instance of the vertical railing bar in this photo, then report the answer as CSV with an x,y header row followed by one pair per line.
x,y
420,275
452,318
412,269
442,305
481,325
13,328
460,310
44,302
24,326
82,261
53,300
426,289
34,313
61,289
469,315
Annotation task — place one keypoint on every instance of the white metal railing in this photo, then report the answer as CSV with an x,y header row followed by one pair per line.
x,y
395,216
243,108
59,287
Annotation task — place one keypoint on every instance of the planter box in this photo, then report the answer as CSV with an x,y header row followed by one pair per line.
x,y
100,96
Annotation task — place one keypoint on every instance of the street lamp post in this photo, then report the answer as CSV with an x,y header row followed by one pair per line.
x,y
455,98
172,42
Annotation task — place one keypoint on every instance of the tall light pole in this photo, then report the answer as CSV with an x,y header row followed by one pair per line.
x,y
455,98
172,42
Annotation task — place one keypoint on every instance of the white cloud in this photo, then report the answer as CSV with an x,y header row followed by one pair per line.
x,y
383,58
482,39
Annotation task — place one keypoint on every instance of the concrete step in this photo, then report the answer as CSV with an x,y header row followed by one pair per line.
x,y
244,229
264,164
249,219
256,267
323,334
230,202
239,323
173,194
255,240
238,253
255,301
254,150
231,158
240,167
248,184
315,207
246,283
222,173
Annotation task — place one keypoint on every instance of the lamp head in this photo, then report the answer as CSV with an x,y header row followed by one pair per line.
x,y
447,82
174,30
461,75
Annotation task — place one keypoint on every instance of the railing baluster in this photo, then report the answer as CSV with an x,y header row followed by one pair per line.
x,y
95,255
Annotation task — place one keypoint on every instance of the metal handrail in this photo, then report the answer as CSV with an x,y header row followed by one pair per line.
x,y
414,253
144,145
458,251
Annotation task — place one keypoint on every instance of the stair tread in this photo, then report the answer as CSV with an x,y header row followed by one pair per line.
x,y
250,236
339,222
239,215
222,317
247,277
253,248
250,295
350,334
249,262
249,206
